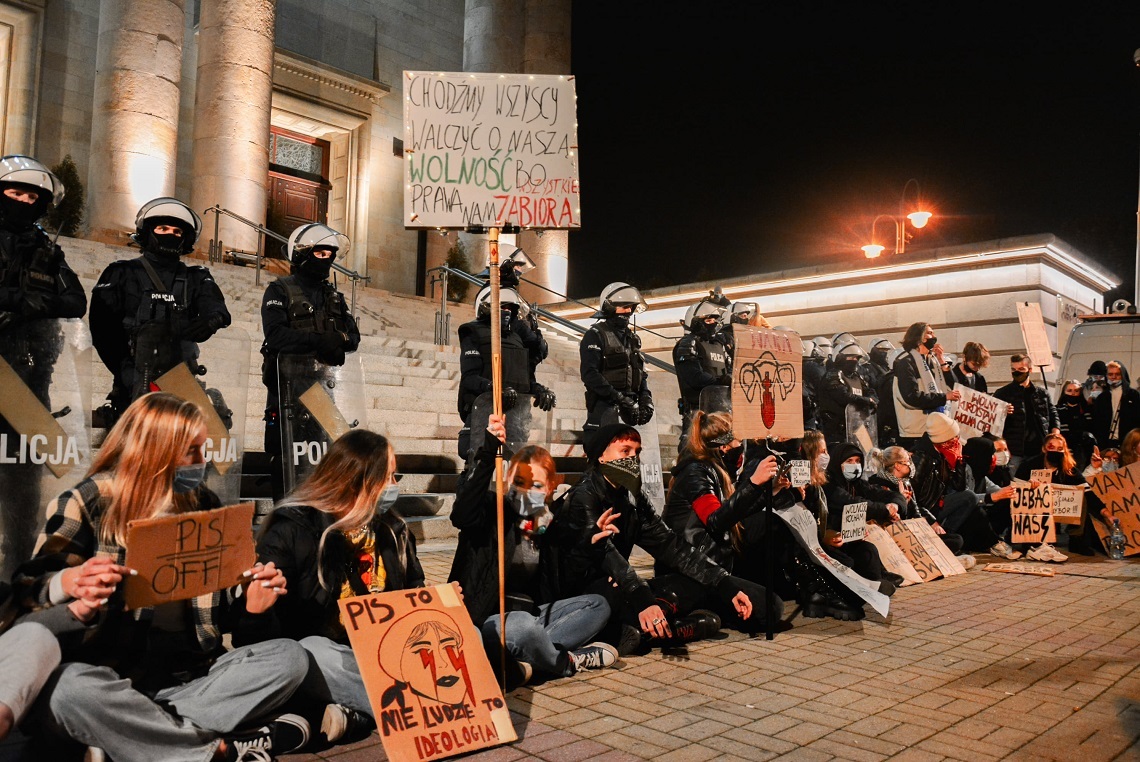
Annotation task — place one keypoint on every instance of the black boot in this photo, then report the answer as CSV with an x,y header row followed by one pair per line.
x,y
818,594
697,625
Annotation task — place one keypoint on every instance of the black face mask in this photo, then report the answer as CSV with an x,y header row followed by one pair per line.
x,y
1054,459
165,246
1020,377
879,357
731,457
849,365
317,269
18,216
1072,399
624,472
618,321
931,342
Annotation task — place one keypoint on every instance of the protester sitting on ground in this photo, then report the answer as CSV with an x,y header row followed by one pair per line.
x,y
705,508
1129,449
1057,456
183,697
664,609
920,384
336,536
968,372
552,637
951,481
1001,475
893,474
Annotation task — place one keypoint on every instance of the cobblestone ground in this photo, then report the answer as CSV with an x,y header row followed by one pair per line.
x,y
980,666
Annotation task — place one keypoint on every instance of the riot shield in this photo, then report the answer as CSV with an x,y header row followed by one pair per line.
x,y
217,381
862,429
716,399
319,403
521,418
652,478
45,426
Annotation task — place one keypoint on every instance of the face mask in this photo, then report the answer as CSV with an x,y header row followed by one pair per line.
x,y
618,321
527,503
1054,459
851,471
731,457
17,215
166,245
1002,457
905,471
1095,393
317,269
879,357
187,478
1114,384
1019,376
1072,399
823,460
849,365
931,342
624,472
387,499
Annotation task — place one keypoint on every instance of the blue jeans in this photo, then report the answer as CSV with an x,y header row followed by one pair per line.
x,y
334,676
559,627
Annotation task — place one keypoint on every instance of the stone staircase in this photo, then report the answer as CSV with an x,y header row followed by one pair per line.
x,y
410,386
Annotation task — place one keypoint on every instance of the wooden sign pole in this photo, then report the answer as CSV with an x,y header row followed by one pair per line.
x,y
497,407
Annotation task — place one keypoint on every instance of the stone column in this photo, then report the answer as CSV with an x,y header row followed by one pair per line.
x,y
134,125
231,114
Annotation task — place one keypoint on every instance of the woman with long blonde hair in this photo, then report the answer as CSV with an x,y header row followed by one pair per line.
x,y
338,536
152,464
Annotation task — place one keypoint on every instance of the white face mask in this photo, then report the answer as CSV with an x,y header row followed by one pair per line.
x,y
527,503
823,459
1002,457
851,471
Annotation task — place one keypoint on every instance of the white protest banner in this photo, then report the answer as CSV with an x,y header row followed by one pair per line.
x,y
802,523
977,412
894,560
800,473
1119,490
1068,499
767,396
854,522
1031,510
1033,331
490,150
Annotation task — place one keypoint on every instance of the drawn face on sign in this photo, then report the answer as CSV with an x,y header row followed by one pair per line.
x,y
424,650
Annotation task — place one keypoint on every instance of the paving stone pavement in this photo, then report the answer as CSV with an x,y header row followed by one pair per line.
x,y
976,667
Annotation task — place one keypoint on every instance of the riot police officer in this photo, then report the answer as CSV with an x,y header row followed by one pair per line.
x,y
612,367
302,314
700,357
842,387
876,368
149,313
36,288
519,345
739,313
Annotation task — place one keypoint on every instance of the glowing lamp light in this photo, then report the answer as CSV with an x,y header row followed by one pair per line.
x,y
872,250
919,219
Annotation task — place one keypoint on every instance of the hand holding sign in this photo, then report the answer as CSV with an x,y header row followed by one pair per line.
x,y
91,583
266,584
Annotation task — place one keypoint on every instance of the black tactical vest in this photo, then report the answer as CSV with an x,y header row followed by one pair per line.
x,y
714,360
305,317
621,364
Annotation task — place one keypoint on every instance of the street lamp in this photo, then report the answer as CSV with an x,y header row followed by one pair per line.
x,y
918,218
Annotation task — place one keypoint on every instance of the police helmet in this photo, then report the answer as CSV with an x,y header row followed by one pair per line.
x,y
808,347
894,355
696,314
315,235
167,211
741,312
849,348
620,295
17,171
842,338
506,296
823,346
880,342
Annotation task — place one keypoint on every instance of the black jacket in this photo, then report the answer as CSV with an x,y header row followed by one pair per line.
x,y
700,362
694,491
841,492
291,537
933,478
958,376
282,338
1034,415
35,281
908,509
910,385
834,396
1102,414
599,379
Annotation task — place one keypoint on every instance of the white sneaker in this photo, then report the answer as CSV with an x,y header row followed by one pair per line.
x,y
968,562
594,656
1003,549
1046,552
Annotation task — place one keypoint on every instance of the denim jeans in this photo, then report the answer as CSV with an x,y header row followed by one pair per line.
x,y
334,676
559,627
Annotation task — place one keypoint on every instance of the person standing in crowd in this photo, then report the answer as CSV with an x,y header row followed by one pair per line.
x,y
337,536
893,476
968,372
519,346
1095,381
612,367
812,374
36,288
1030,415
877,365
1116,411
302,314
511,271
701,357
843,387
920,385
552,637
1074,412
148,314
156,683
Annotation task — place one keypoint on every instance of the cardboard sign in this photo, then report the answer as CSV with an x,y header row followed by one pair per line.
x,y
978,413
1041,475
42,440
1119,490
320,403
181,383
490,150
432,690
946,561
802,523
863,439
1036,570
1033,331
854,522
800,473
894,560
1068,500
767,396
1031,510
186,555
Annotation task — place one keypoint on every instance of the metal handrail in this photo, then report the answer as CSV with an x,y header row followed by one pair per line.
x,y
215,254
444,319
566,298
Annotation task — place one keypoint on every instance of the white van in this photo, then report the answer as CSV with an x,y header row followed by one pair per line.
x,y
1102,337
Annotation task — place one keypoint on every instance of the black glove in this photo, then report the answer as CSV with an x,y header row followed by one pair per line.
x,y
330,347
510,398
543,398
866,404
645,410
200,329
627,409
725,378
35,304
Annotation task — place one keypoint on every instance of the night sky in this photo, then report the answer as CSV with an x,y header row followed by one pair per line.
x,y
723,139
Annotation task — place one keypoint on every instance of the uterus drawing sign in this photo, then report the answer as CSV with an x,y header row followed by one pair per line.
x,y
763,379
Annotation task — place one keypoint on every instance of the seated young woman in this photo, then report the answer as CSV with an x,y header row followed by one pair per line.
x,y
893,477
337,536
552,637
155,683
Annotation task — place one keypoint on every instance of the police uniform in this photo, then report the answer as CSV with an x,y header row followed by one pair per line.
x,y
612,368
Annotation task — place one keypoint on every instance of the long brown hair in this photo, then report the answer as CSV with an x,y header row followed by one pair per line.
x,y
1068,462
346,484
141,453
706,427
812,445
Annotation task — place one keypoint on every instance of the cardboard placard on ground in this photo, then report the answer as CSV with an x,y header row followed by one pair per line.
x,y
1068,502
432,690
1119,490
977,412
23,411
767,399
1031,511
894,560
800,473
1033,332
181,383
926,556
946,561
1037,570
854,525
802,523
188,554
